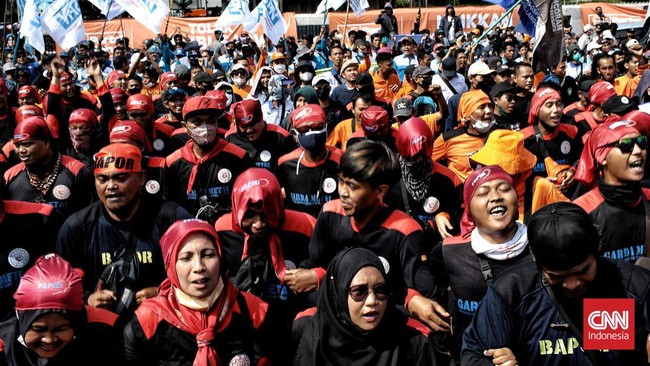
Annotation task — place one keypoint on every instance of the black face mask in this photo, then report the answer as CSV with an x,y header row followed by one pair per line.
x,y
426,83
486,85
134,91
323,93
368,89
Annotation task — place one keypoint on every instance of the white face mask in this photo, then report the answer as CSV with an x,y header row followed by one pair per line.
x,y
306,76
280,68
483,126
204,135
149,85
229,99
239,81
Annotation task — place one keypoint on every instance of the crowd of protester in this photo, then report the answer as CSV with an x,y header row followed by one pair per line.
x,y
338,199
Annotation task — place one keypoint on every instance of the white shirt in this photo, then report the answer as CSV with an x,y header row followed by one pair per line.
x,y
272,114
458,83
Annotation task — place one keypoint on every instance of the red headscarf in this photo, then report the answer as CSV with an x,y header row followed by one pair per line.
x,y
246,112
114,75
413,137
32,128
27,111
306,114
260,185
202,324
167,76
475,180
83,116
596,149
599,93
50,284
641,120
140,102
128,130
119,96
207,104
374,120
540,97
28,90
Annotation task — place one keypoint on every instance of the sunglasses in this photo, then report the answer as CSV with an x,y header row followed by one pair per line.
x,y
314,127
510,98
137,115
360,293
626,145
174,90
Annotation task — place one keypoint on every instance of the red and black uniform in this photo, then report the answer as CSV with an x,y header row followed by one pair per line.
x,y
309,186
58,109
619,212
28,230
193,182
90,240
95,339
154,168
572,109
159,140
71,191
392,235
265,151
563,146
469,275
179,136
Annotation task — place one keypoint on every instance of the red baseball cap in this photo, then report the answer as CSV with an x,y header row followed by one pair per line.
x,y
139,102
307,113
600,92
374,119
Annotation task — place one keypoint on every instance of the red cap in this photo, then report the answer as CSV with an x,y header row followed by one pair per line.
x,y
127,131
171,243
27,91
600,92
3,87
168,76
50,284
66,77
114,75
201,105
32,128
306,114
139,102
119,96
246,112
414,136
374,119
83,116
641,120
475,180
27,111
118,158
219,96
257,185
540,97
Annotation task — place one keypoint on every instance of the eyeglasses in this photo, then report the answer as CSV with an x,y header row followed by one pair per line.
x,y
509,97
313,127
237,73
360,293
137,115
626,145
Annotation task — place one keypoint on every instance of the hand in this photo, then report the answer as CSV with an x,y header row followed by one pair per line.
x,y
93,68
429,312
435,90
501,356
566,177
57,66
102,299
301,280
394,88
443,225
146,293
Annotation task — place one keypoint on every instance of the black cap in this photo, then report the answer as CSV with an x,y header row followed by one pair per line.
x,y
449,68
217,74
504,87
619,104
586,85
364,79
503,69
202,76
168,94
562,235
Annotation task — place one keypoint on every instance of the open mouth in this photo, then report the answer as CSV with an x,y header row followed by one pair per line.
x,y
498,211
49,347
201,283
637,165
370,316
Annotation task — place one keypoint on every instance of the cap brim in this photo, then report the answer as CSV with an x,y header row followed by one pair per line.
x,y
449,73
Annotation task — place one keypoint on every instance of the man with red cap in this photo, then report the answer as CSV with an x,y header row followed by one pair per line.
x,y
199,176
84,135
599,93
167,81
44,175
27,95
264,142
116,79
261,242
612,165
550,140
115,241
375,125
140,109
309,174
51,325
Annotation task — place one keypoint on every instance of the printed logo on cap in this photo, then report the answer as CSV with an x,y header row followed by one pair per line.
x,y
247,118
419,141
484,174
121,129
401,105
385,263
618,124
329,185
152,187
265,156
138,102
240,360
18,258
224,175
303,113
565,147
158,144
61,192
254,183
431,205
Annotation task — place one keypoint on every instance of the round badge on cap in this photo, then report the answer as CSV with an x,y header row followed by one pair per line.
x,y
18,258
385,263
431,205
224,175
240,360
329,185
152,187
265,156
61,192
565,147
158,144
624,100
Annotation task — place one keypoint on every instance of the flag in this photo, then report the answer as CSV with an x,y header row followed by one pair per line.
x,y
359,6
331,4
273,22
63,21
103,6
543,20
237,12
30,27
256,18
149,13
506,4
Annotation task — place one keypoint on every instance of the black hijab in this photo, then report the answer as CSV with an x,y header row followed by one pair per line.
x,y
333,339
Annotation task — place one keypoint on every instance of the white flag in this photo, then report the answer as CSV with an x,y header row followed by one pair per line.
x,y
359,6
331,4
62,20
257,16
149,13
103,6
30,27
237,12
273,22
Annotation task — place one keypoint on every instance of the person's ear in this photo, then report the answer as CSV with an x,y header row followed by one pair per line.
x,y
381,191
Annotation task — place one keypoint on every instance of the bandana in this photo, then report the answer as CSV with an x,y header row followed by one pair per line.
x,y
246,112
118,158
374,120
114,75
307,114
32,128
129,131
540,97
416,176
473,182
83,116
414,136
139,102
470,101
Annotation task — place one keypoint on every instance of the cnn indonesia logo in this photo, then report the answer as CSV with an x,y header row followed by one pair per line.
x,y
608,324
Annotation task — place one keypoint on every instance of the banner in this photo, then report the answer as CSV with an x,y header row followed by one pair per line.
x,y
149,13
103,6
470,16
197,29
63,22
30,27
614,13
331,4
359,6
237,12
548,31
273,23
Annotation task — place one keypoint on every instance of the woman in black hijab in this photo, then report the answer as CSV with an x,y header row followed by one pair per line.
x,y
356,323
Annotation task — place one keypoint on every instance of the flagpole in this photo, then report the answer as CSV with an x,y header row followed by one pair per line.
x,y
4,24
110,4
345,26
512,8
169,15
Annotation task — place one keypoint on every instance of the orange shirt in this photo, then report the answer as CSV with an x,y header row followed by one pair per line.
x,y
404,90
242,92
383,87
341,133
455,147
626,85
152,92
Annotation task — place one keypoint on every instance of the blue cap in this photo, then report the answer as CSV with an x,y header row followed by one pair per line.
x,y
154,49
64,54
179,52
193,53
